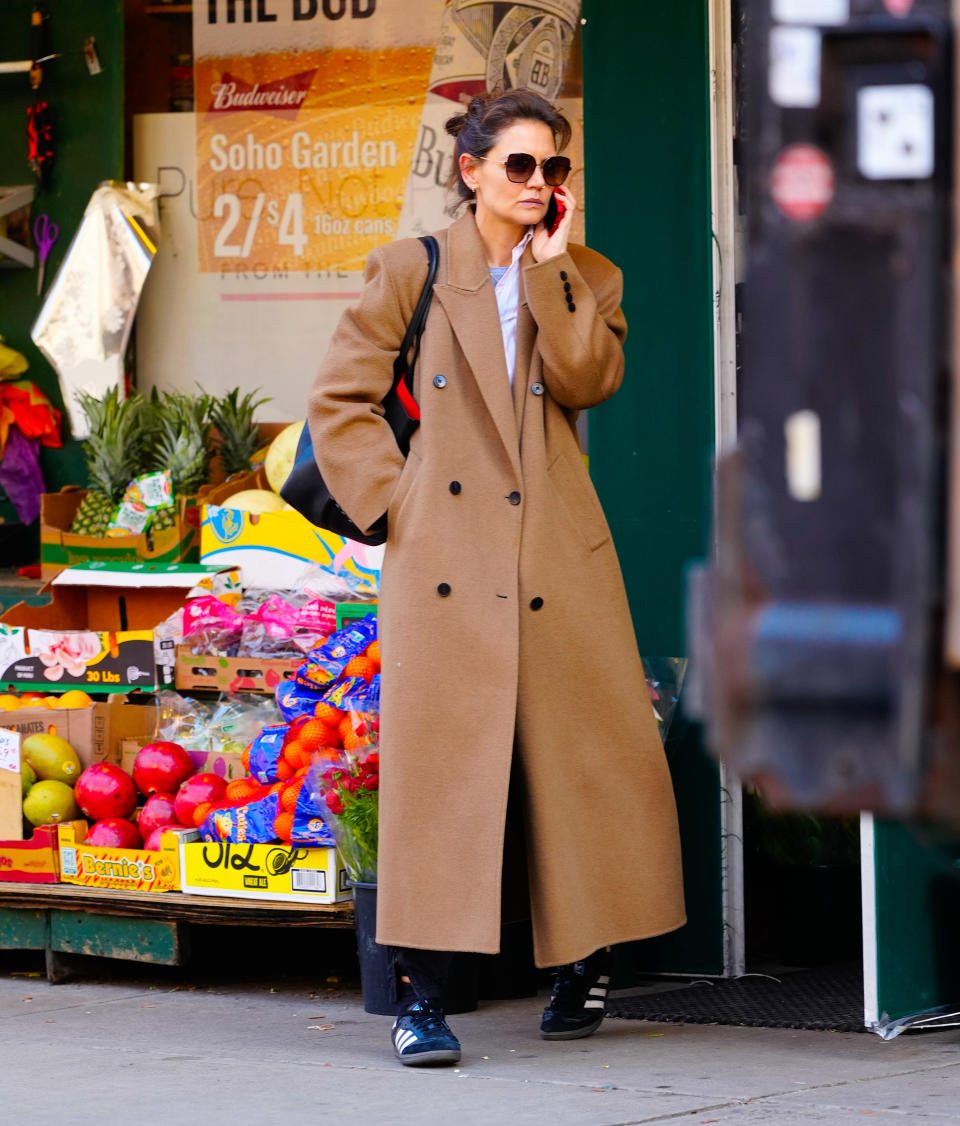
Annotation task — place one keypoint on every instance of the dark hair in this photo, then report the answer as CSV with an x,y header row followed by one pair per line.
x,y
487,115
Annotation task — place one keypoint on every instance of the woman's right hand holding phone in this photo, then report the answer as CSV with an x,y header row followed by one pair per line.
x,y
546,244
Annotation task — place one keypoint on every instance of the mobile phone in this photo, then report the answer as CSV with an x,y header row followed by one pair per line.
x,y
554,212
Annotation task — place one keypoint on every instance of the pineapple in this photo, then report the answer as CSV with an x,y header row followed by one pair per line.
x,y
182,445
239,434
114,453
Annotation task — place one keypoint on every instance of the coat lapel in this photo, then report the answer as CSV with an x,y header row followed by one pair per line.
x,y
471,307
526,338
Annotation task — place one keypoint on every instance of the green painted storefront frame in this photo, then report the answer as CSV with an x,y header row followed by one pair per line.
x,y
647,186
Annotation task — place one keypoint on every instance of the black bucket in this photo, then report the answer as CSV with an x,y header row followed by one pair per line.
x,y
376,969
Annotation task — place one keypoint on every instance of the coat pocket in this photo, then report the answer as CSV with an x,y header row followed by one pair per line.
x,y
401,493
579,499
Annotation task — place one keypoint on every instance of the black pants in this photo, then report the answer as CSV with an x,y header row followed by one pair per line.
x,y
428,970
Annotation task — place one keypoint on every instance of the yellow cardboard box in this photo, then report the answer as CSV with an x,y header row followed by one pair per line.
x,y
274,549
263,871
129,869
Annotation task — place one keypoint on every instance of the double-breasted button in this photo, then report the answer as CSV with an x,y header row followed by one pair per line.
x,y
443,589
440,381
536,603
514,497
455,488
536,388
563,275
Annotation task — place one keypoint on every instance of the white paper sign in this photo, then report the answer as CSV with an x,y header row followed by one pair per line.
x,y
9,750
895,132
795,67
823,12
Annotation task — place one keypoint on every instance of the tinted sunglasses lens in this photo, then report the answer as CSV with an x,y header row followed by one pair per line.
x,y
520,166
555,170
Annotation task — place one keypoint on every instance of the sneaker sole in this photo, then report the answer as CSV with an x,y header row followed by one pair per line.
x,y
574,1033
442,1055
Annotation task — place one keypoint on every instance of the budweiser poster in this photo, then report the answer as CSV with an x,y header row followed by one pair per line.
x,y
319,123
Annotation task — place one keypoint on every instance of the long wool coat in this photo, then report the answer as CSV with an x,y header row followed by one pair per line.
x,y
503,617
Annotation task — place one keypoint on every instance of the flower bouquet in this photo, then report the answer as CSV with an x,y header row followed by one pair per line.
x,y
349,808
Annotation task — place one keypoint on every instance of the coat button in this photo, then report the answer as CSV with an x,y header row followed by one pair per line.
x,y
514,497
536,603
455,488
563,275
571,307
443,590
439,381
536,388
566,287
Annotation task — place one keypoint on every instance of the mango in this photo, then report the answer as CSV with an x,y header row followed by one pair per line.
x,y
51,757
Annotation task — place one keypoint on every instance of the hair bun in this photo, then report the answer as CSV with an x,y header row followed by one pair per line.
x,y
455,125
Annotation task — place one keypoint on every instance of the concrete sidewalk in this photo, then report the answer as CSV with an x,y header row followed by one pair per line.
x,y
134,1051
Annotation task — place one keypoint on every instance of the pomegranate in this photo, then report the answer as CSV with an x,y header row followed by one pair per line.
x,y
114,832
157,811
104,790
159,768
194,792
152,843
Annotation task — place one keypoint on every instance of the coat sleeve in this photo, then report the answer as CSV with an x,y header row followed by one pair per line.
x,y
581,329
352,441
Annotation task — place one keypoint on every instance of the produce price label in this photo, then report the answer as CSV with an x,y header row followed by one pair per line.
x,y
307,116
9,750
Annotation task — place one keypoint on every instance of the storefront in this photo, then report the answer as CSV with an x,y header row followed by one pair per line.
x,y
231,300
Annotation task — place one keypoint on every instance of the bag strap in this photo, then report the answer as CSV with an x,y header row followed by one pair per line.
x,y
403,365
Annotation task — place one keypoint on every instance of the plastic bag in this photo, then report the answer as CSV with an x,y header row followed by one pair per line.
x,y
245,824
228,723
210,626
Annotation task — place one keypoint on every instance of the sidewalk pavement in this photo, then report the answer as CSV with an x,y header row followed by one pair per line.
x,y
132,1050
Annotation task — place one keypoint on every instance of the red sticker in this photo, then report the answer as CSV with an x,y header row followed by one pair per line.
x,y
802,182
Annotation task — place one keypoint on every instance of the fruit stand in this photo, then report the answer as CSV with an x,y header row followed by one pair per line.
x,y
64,921
182,739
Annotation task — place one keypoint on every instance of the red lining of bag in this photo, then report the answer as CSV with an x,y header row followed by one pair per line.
x,y
410,404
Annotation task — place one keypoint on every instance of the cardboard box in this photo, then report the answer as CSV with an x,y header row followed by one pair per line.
x,y
351,611
98,631
232,674
95,733
131,869
60,548
36,861
225,764
287,873
276,549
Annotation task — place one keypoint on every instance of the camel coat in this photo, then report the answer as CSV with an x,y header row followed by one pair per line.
x,y
503,617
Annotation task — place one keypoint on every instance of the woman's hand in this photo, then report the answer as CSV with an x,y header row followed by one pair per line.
x,y
545,245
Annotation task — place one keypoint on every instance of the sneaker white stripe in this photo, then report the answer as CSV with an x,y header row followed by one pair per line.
x,y
593,1004
405,1038
598,992
603,979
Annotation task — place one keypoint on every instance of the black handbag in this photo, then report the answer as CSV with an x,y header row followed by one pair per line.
x,y
305,488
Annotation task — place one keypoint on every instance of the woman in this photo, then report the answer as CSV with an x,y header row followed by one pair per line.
x,y
505,633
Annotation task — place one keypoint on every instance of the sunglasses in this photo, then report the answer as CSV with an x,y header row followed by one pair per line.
x,y
520,166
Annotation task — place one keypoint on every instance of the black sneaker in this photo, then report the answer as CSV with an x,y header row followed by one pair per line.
x,y
578,999
421,1035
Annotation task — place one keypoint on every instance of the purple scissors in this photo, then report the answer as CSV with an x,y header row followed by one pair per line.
x,y
45,234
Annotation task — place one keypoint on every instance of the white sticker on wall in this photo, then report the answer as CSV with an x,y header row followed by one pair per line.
x,y
795,67
823,12
802,432
895,132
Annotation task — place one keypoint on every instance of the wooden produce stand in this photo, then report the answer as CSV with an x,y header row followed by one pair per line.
x,y
63,919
